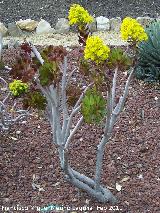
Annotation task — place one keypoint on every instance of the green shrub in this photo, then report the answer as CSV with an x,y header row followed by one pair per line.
x,y
17,87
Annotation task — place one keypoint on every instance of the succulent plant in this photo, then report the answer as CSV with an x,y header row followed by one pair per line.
x,y
35,100
148,66
93,107
118,58
17,87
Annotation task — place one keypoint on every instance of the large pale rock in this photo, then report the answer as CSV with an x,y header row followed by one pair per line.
x,y
3,29
103,23
43,27
14,30
115,24
62,26
28,24
145,21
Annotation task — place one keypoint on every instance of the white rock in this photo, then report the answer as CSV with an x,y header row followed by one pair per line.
x,y
118,187
28,24
103,23
24,122
43,27
18,132
145,21
3,29
115,24
62,26
13,138
140,176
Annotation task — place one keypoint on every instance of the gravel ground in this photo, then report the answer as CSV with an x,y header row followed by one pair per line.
x,y
131,158
67,40
51,10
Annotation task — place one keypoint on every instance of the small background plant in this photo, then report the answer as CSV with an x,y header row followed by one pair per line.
x,y
148,67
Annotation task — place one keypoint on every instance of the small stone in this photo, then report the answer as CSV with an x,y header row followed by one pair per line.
x,y
126,202
6,199
15,139
62,26
118,187
124,179
43,27
74,199
4,89
56,184
24,122
87,201
18,132
14,30
115,24
28,24
140,176
103,23
139,165
3,29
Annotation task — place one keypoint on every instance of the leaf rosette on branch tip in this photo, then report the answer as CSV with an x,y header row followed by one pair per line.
x,y
93,107
118,58
50,72
24,69
27,66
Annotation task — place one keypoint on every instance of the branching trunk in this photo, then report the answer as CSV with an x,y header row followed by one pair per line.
x,y
62,133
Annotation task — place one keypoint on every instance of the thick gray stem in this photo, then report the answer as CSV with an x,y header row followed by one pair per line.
x,y
101,146
103,195
1,45
64,97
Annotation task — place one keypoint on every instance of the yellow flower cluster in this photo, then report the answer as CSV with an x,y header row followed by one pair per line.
x,y
132,31
78,15
17,87
96,50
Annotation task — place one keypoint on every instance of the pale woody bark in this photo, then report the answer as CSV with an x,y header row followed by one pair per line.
x,y
64,134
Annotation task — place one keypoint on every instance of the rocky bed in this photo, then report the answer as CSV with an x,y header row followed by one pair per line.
x,y
51,10
28,158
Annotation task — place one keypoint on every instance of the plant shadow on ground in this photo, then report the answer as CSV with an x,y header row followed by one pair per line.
x,y
30,172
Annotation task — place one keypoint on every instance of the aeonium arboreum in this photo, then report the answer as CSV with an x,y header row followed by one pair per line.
x,y
91,105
